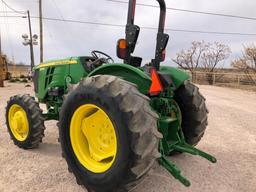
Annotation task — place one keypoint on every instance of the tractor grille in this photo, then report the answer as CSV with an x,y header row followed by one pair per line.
x,y
35,80
49,76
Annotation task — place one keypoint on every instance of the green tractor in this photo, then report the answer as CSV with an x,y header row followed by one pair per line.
x,y
115,120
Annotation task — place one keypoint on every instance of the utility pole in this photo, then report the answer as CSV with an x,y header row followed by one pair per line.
x,y
31,43
30,40
1,65
41,32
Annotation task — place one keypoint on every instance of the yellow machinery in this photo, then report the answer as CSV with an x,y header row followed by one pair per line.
x,y
4,68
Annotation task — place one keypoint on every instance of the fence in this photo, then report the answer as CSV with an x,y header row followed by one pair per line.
x,y
236,80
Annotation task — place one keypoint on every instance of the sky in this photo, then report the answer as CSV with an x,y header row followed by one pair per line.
x,y
63,39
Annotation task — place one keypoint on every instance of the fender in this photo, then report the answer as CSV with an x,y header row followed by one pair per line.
x,y
178,76
126,72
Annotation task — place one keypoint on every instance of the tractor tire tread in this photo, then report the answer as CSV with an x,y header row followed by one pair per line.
x,y
140,120
35,120
194,112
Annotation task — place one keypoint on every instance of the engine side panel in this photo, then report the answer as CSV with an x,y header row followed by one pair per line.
x,y
55,74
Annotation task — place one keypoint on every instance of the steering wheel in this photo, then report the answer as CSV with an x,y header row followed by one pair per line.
x,y
100,55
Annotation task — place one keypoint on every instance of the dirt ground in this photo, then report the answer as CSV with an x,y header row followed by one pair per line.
x,y
231,137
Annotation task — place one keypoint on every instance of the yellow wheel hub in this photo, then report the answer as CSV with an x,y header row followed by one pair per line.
x,y
18,122
93,138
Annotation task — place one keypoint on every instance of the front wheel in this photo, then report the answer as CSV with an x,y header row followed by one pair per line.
x,y
25,121
108,134
193,111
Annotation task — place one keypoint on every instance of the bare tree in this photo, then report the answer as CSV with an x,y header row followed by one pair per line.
x,y
202,55
247,63
190,59
214,55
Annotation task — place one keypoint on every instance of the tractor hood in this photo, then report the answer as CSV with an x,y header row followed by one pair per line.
x,y
58,62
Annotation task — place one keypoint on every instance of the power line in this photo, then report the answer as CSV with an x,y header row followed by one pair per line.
x,y
190,11
63,19
14,10
24,1
149,28
58,9
212,32
7,29
6,11
168,8
11,16
60,13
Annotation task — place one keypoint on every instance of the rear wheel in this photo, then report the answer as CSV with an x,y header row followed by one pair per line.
x,y
194,112
25,121
108,134
94,142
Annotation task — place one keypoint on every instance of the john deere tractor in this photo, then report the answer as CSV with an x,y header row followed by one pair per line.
x,y
115,120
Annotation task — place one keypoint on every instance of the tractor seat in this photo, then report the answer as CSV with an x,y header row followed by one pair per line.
x,y
86,62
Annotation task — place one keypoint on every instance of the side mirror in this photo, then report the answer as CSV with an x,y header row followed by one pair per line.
x,y
121,48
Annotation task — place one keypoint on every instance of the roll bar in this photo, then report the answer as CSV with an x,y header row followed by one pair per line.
x,y
132,8
132,33
161,25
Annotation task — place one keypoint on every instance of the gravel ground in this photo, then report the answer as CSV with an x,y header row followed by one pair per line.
x,y
231,137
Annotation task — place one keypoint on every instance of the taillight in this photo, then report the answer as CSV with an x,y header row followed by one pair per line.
x,y
163,55
121,48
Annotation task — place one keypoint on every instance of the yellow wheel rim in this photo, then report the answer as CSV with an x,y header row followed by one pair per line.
x,y
18,122
93,138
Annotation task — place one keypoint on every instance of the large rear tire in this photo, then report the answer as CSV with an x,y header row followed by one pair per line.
x,y
194,112
135,125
